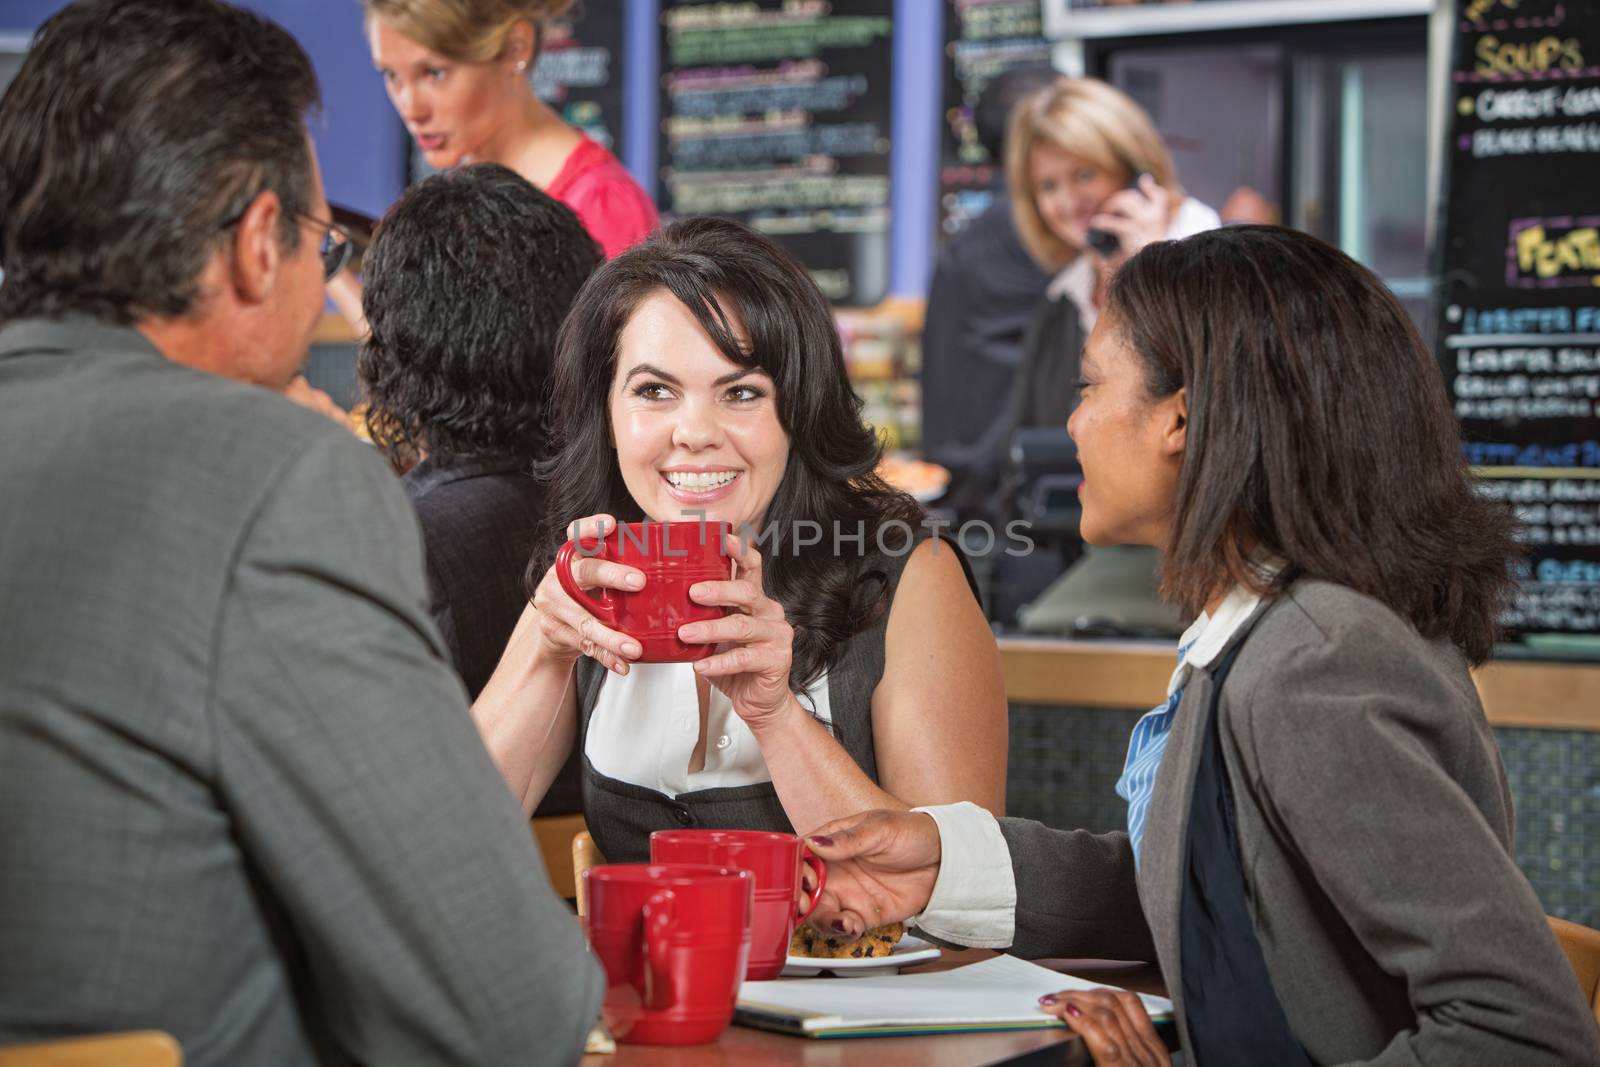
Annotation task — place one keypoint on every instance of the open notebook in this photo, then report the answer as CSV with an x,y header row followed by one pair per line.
x,y
997,994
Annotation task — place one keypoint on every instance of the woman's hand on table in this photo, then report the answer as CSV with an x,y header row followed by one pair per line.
x,y
755,643
881,869
566,628
1113,1024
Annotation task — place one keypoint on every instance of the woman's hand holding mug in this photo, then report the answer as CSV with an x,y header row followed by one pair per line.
x,y
755,643
567,629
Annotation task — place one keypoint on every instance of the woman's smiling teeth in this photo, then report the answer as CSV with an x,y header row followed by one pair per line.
x,y
699,482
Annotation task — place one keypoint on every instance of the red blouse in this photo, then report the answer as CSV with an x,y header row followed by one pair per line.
x,y
613,207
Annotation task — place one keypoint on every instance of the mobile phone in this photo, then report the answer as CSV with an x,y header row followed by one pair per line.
x,y
1104,241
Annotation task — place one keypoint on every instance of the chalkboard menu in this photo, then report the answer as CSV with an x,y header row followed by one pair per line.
x,y
579,70
1518,314
578,73
776,113
982,38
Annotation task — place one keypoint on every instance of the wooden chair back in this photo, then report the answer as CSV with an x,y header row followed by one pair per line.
x,y
1582,946
584,856
142,1048
555,834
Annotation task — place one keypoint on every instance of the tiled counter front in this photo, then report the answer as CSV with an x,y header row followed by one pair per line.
x,y
1065,757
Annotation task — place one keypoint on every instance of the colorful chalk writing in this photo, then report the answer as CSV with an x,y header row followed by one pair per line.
x,y
1554,253
1517,311
983,38
776,112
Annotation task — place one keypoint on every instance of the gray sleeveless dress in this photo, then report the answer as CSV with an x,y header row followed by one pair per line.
x,y
622,816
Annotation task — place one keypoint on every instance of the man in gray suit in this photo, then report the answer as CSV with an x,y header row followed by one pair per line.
x,y
244,800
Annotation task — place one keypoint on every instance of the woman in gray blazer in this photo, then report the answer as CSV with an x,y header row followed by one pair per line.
x,y
1319,839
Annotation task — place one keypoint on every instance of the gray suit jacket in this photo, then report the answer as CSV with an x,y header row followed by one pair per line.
x,y
244,801
1375,829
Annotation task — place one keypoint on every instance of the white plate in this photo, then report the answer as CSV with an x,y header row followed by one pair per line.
x,y
908,951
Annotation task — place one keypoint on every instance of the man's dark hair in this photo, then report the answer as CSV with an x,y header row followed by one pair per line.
x,y
991,116
730,277
467,282
1319,432
135,132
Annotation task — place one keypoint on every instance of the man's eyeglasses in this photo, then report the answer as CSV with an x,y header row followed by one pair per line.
x,y
337,246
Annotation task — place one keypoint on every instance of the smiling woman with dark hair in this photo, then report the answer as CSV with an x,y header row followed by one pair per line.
x,y
468,279
700,375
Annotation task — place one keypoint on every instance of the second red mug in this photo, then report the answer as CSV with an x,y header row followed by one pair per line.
x,y
774,859
674,940
673,557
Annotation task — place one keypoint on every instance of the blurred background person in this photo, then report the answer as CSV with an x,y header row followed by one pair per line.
x,y
457,72
985,289
1091,184
468,280
1248,206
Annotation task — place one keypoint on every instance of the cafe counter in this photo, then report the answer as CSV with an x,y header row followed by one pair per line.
x,y
1134,674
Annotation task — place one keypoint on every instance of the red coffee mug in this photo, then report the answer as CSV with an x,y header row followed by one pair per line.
x,y
674,940
774,859
673,557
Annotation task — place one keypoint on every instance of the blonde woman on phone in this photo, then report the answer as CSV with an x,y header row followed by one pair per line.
x,y
1091,183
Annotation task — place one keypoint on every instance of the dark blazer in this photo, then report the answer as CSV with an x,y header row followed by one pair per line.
x,y
244,801
983,295
481,516
1375,827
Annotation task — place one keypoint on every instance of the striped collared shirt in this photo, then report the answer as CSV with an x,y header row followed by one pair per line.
x,y
1197,647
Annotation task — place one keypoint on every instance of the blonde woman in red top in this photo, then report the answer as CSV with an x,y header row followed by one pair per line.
x,y
457,74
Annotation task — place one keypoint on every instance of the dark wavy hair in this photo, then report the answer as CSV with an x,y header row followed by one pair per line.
x,y
467,281
132,137
1319,432
715,266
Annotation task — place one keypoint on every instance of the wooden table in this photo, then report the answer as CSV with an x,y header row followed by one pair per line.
x,y
741,1044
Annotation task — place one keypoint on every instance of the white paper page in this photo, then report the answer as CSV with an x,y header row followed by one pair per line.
x,y
1002,990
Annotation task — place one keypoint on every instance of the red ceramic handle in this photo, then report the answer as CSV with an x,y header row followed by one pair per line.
x,y
819,865
659,912
603,610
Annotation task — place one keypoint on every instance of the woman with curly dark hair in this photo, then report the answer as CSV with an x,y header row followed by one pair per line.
x,y
700,375
468,279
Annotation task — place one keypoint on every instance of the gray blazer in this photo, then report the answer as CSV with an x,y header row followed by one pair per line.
x,y
1375,828
244,800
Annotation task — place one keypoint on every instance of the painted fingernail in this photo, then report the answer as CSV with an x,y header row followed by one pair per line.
x,y
1072,1010
1048,998
825,842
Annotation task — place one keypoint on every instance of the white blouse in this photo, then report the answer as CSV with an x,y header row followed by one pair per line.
x,y
645,725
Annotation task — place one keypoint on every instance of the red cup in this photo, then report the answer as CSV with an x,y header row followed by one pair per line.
x,y
774,859
674,940
673,557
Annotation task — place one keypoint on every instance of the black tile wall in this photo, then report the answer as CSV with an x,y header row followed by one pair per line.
x,y
1065,763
